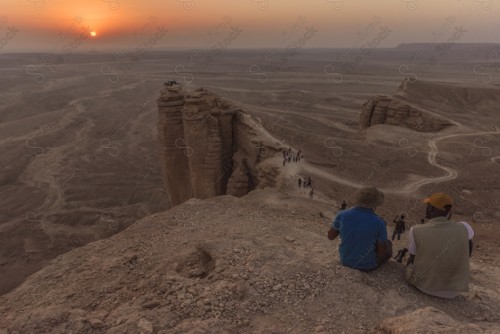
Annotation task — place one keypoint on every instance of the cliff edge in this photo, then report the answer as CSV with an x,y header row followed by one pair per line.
x,y
234,265
210,147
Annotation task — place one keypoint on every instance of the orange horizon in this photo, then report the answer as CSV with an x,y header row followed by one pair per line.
x,y
195,22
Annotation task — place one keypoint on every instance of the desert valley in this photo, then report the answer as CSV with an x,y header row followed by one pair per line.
x,y
148,194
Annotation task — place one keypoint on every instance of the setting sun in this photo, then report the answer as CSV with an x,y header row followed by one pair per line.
x,y
93,34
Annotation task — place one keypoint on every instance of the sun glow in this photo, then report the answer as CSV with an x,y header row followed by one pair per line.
x,y
93,34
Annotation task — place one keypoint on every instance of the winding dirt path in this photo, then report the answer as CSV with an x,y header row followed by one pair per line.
x,y
450,173
411,187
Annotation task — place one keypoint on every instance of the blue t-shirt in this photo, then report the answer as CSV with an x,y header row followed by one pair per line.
x,y
360,229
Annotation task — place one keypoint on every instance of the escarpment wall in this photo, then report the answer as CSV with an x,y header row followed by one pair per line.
x,y
387,110
209,147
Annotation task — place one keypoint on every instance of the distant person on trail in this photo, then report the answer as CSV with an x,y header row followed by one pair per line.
x,y
343,206
422,221
400,226
364,245
309,182
440,251
311,194
300,182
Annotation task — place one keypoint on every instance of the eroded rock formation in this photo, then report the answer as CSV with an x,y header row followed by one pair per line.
x,y
387,110
459,98
209,147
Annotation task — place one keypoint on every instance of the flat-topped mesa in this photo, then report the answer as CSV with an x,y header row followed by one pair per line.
x,y
209,147
383,109
459,98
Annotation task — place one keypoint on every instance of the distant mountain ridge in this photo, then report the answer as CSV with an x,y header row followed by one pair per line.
x,y
410,46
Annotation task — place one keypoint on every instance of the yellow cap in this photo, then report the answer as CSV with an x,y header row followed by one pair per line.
x,y
439,200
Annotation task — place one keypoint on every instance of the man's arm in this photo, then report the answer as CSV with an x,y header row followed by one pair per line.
x,y
334,230
412,248
471,233
333,233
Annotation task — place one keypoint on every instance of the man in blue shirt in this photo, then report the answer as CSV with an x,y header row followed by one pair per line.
x,y
363,234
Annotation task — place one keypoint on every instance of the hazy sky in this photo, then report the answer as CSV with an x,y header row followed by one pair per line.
x,y
63,24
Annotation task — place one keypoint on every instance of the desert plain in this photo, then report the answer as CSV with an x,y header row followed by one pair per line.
x,y
80,162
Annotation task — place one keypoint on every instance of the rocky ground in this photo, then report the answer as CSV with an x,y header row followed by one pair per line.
x,y
260,264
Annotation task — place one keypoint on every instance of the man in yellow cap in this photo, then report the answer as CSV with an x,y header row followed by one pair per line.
x,y
440,251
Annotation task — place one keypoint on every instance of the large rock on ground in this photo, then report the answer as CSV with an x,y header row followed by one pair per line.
x,y
387,110
209,147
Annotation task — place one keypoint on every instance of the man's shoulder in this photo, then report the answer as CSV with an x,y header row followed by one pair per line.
x,y
431,224
348,212
422,227
379,219
340,214
419,226
468,228
459,224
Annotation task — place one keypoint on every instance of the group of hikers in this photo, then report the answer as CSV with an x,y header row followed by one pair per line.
x,y
288,156
439,249
306,183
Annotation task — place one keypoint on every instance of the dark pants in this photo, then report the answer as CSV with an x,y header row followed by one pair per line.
x,y
382,259
394,235
387,255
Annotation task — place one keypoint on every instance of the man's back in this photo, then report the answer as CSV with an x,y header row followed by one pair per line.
x,y
360,229
441,249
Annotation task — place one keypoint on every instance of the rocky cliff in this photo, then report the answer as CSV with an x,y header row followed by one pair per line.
x,y
442,95
383,109
209,147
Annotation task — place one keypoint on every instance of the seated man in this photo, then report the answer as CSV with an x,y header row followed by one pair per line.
x,y
363,234
440,251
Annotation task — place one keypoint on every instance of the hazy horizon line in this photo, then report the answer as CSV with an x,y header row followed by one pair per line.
x,y
187,48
